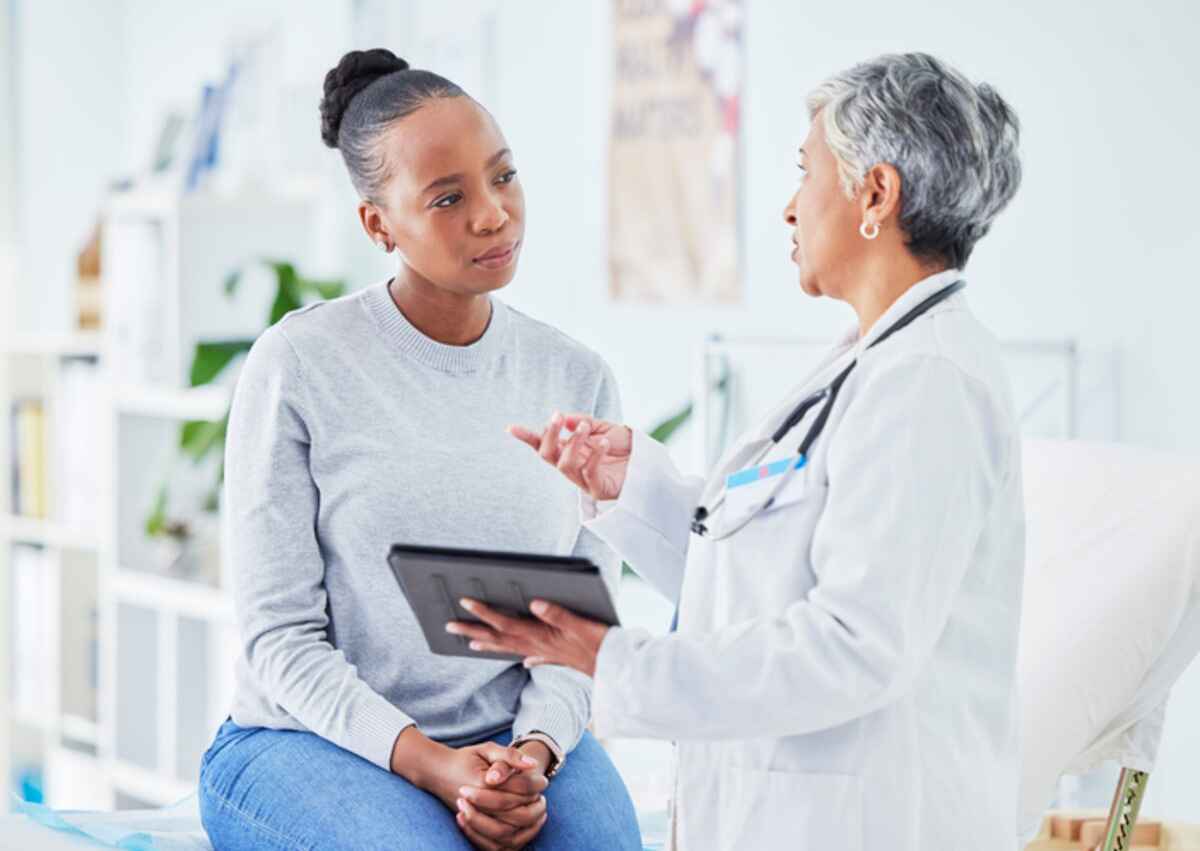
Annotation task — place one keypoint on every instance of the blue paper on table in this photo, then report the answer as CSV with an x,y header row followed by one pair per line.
x,y
173,828
654,830
178,828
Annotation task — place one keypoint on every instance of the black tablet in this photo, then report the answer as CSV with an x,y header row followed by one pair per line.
x,y
434,579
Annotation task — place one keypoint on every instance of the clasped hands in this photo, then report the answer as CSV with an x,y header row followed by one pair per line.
x,y
495,792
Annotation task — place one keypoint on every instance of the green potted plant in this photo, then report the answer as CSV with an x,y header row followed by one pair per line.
x,y
201,439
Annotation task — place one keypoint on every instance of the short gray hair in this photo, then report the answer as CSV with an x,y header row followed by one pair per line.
x,y
954,144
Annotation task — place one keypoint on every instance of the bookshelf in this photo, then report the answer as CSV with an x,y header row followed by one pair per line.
x,y
116,660
49,555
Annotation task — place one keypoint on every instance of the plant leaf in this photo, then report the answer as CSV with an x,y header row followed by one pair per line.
x,y
663,431
322,289
231,282
197,438
156,521
287,293
211,358
283,269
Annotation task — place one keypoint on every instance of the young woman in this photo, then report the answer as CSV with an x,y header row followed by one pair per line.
x,y
378,418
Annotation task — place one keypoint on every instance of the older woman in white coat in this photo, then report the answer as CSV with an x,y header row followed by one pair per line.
x,y
849,576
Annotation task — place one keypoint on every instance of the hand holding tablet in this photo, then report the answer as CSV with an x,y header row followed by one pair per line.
x,y
436,580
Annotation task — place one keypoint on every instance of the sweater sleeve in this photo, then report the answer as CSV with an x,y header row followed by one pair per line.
x,y
557,701
280,597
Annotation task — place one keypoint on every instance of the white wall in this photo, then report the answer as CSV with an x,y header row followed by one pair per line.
x,y
1096,245
173,49
69,122
94,82
8,157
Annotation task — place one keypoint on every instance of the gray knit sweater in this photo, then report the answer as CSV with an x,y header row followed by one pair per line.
x,y
351,431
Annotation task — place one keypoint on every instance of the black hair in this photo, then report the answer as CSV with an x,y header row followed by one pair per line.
x,y
364,94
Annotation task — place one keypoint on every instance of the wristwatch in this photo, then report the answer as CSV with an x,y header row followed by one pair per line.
x,y
557,757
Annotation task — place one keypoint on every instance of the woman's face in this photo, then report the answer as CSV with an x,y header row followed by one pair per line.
x,y
824,221
452,204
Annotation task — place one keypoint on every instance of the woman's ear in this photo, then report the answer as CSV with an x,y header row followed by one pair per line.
x,y
375,226
880,194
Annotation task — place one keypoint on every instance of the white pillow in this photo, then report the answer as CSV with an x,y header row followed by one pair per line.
x,y
1111,613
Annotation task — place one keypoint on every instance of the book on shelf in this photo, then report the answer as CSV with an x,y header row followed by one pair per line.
x,y
136,311
28,430
31,636
77,443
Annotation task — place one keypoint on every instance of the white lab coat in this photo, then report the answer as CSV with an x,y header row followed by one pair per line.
x,y
843,673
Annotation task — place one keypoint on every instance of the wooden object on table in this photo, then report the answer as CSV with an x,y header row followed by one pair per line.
x,y
1148,836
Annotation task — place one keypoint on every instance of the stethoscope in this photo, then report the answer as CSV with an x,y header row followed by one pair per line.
x,y
827,394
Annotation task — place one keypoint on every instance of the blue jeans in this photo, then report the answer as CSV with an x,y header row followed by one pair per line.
x,y
287,790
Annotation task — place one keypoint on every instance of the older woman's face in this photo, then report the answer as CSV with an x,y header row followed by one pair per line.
x,y
824,221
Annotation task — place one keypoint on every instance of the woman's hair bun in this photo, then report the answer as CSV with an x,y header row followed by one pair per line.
x,y
357,70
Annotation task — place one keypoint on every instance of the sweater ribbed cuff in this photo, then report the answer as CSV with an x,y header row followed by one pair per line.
x,y
555,719
372,730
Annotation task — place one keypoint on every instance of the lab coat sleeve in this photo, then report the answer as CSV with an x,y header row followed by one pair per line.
x,y
649,524
557,701
913,469
279,573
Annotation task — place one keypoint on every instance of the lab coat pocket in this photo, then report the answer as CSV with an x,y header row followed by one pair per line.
x,y
784,810
761,497
764,566
803,485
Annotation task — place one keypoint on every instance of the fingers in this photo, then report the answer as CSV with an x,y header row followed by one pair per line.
x,y
530,438
495,801
525,814
486,825
500,623
477,839
590,472
575,454
527,783
517,840
524,837
473,631
501,647
557,616
520,816
573,421
499,773
550,439
485,640
509,756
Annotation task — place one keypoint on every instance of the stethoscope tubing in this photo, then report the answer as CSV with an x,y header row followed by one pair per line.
x,y
827,394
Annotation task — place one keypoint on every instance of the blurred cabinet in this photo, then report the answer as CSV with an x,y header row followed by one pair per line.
x,y
49,568
117,647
